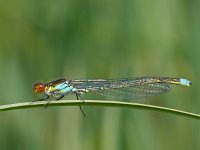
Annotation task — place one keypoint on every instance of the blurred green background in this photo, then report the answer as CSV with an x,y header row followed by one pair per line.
x,y
48,39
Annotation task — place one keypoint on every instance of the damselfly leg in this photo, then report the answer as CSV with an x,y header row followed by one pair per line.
x,y
42,99
57,98
78,95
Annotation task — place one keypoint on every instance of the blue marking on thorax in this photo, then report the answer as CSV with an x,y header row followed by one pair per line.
x,y
61,86
185,82
65,88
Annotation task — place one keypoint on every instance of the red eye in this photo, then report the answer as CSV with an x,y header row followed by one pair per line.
x,y
38,87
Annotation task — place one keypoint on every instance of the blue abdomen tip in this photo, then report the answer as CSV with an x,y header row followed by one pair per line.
x,y
185,82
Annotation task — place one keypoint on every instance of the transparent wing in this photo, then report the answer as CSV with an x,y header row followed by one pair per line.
x,y
133,88
136,92
92,85
128,88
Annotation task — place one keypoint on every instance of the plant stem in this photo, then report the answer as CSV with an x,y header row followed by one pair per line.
x,y
101,103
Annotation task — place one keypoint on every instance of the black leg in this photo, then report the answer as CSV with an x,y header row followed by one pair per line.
x,y
77,97
46,104
42,99
57,98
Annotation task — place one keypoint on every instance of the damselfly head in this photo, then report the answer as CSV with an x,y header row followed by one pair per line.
x,y
39,87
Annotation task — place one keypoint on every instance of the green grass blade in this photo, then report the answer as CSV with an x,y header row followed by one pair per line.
x,y
101,103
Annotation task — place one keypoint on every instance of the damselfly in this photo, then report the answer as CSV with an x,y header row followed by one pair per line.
x,y
126,89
